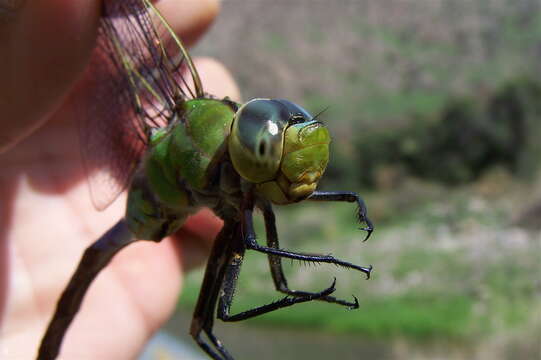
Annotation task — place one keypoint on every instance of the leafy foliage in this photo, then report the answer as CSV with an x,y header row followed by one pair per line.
x,y
460,143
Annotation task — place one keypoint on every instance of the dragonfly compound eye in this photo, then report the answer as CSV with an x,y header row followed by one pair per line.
x,y
257,137
277,145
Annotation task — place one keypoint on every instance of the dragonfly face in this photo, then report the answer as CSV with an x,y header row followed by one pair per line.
x,y
278,145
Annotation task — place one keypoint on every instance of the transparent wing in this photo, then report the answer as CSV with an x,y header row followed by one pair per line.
x,y
139,75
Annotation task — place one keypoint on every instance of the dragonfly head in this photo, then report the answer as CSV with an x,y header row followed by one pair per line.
x,y
278,146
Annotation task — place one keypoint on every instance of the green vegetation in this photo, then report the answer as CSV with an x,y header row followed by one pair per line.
x,y
458,144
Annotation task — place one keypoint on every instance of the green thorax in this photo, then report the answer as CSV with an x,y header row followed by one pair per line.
x,y
180,159
189,150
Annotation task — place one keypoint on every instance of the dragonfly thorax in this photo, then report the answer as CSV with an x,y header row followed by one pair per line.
x,y
277,145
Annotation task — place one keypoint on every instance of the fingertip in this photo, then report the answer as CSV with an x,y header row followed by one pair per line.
x,y
44,47
195,238
189,19
203,226
216,78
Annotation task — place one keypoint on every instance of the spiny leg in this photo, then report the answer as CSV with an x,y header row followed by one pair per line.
x,y
251,243
203,316
94,259
347,196
275,263
230,282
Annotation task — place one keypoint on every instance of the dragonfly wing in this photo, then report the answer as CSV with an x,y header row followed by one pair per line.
x,y
139,75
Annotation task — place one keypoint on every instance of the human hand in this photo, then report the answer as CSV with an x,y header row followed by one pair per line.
x,y
46,216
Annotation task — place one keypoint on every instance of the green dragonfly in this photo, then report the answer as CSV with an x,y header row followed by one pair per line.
x,y
182,149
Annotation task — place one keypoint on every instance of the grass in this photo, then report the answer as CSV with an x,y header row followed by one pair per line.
x,y
413,315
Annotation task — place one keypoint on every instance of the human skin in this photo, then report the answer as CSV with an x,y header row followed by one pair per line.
x,y
46,216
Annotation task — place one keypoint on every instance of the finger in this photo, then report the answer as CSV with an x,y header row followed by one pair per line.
x,y
216,79
44,46
189,18
195,238
47,46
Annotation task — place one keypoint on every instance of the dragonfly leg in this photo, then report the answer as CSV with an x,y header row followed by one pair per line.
x,y
275,263
251,243
230,281
224,355
203,317
351,197
94,259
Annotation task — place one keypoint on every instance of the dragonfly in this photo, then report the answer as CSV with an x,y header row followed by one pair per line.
x,y
176,149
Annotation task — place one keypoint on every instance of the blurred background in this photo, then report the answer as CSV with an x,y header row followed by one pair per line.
x,y
434,108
